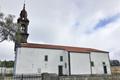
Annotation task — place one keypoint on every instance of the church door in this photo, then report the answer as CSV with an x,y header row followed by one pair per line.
x,y
105,69
60,70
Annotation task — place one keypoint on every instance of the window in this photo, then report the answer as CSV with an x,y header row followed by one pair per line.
x,y
65,65
61,58
92,63
46,57
103,63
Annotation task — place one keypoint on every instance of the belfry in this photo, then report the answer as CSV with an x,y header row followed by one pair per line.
x,y
23,26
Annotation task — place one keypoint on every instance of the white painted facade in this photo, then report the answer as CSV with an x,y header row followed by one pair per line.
x,y
98,59
80,63
32,61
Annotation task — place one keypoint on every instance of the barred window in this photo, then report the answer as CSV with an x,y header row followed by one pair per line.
x,y
61,58
92,63
46,57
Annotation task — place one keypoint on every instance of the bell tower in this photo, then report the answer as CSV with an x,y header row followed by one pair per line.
x,y
23,26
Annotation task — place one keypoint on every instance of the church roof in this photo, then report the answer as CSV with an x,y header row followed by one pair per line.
x,y
67,48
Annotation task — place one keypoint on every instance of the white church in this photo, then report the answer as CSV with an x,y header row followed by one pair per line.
x,y
31,58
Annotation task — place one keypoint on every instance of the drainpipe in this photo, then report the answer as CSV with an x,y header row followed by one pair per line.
x,y
69,63
90,63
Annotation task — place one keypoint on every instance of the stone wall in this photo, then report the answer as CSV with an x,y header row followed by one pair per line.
x,y
81,77
91,77
115,69
56,77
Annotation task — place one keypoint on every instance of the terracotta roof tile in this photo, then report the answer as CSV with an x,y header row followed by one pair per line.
x,y
67,48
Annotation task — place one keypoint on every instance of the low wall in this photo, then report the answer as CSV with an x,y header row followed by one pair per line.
x,y
56,77
115,69
81,77
91,77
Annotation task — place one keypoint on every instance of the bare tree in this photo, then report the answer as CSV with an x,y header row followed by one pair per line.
x,y
8,28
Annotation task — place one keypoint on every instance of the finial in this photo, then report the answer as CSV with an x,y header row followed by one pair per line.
x,y
24,1
24,5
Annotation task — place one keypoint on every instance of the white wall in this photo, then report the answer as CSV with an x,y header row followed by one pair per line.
x,y
31,61
4,70
98,59
80,63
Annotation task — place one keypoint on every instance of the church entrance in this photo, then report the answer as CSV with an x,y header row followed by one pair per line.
x,y
60,70
104,68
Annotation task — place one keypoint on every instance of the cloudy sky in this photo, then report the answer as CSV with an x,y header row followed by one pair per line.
x,y
82,23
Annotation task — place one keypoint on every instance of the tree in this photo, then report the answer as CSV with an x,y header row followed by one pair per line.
x,y
115,63
8,28
7,64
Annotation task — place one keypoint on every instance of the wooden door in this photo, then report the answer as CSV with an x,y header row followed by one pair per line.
x,y
60,70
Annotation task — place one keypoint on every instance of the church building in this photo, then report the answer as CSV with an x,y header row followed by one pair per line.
x,y
31,58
